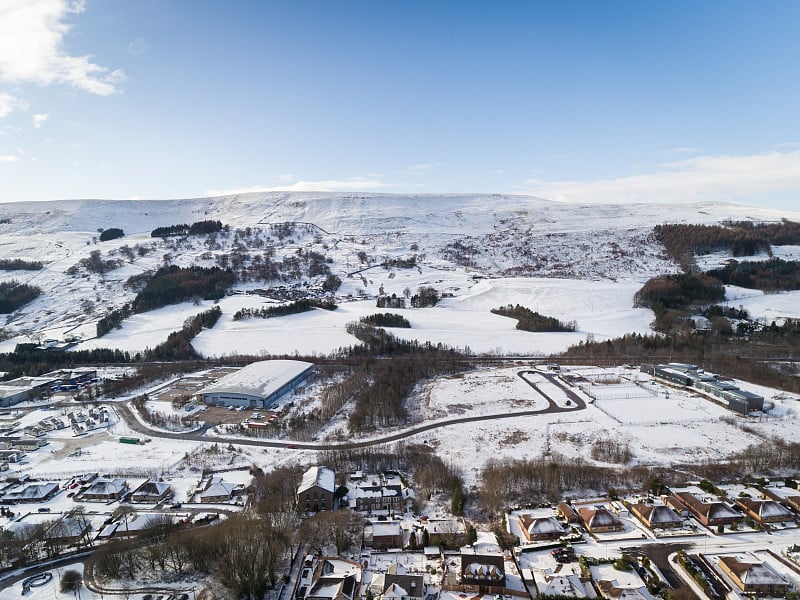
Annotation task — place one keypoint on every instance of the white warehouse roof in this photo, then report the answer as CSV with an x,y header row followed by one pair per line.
x,y
261,378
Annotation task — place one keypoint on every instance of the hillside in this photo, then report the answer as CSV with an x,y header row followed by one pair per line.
x,y
581,262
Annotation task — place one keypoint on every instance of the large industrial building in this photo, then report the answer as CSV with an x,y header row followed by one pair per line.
x,y
258,385
724,392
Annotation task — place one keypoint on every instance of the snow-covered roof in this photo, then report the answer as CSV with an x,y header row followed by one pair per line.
x,y
542,525
753,573
218,488
389,528
483,571
318,476
260,379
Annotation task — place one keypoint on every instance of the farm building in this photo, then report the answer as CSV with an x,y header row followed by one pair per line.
x,y
258,385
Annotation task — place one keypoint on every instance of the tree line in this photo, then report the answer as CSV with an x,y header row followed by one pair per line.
x,y
196,228
770,275
18,264
742,238
292,308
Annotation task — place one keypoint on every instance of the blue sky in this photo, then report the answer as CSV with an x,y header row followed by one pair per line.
x,y
638,101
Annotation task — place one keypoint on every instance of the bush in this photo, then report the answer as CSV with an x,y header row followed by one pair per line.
x,y
71,581
111,234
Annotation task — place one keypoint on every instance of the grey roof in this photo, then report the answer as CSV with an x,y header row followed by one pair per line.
x,y
259,379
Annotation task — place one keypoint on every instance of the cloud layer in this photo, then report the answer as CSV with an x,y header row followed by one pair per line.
x,y
32,48
702,178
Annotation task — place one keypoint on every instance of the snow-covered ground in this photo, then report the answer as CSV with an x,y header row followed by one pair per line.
x,y
607,250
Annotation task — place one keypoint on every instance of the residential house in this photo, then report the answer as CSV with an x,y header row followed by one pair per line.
x,y
611,590
387,534
657,516
316,490
566,512
32,492
328,578
765,511
151,492
599,520
403,587
710,514
374,493
217,491
448,533
754,577
540,529
485,571
103,489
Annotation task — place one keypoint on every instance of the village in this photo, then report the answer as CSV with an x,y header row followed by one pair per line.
x,y
724,539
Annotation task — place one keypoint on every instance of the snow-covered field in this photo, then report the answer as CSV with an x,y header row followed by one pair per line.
x,y
602,309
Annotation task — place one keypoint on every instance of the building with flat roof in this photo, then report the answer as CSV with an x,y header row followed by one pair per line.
x,y
258,385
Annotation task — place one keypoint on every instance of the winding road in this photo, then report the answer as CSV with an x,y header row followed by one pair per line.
x,y
576,404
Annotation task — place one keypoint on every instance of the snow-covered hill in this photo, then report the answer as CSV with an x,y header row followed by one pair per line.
x,y
480,250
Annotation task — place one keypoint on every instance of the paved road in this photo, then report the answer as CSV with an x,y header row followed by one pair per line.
x,y
577,403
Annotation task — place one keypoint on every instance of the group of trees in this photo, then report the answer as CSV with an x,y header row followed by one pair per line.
x,y
770,275
14,295
171,285
529,320
678,291
178,344
196,228
94,263
111,233
18,264
386,320
293,308
508,482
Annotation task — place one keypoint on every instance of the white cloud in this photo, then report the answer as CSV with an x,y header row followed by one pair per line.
x,y
353,184
9,103
8,158
702,178
39,120
32,47
424,166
